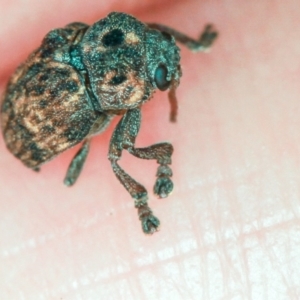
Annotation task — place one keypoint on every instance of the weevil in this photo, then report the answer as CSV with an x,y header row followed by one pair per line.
x,y
71,87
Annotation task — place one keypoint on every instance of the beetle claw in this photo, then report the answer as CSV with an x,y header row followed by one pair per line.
x,y
208,36
163,187
150,224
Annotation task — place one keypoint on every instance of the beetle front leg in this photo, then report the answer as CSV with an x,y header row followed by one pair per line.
x,y
203,44
162,152
149,222
124,138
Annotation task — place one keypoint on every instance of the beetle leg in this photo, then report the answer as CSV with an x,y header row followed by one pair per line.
x,y
77,163
203,43
162,152
124,138
149,222
173,101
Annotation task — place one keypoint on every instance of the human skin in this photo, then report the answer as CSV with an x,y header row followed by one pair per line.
x,y
230,229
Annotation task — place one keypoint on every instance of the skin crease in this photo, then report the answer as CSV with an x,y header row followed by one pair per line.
x,y
231,228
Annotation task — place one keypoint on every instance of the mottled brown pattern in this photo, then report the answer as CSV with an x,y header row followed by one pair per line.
x,y
45,108
130,92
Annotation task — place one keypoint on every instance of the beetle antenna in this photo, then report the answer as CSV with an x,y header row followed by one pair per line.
x,y
173,101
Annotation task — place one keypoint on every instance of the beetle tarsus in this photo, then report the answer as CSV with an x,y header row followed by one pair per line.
x,y
207,37
76,164
124,138
150,223
205,41
163,187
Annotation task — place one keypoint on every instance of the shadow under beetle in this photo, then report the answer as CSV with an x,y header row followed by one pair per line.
x,y
71,87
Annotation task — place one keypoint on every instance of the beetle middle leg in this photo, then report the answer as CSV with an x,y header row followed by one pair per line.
x,y
124,138
77,163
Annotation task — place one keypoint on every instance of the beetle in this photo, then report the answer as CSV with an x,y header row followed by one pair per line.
x,y
71,87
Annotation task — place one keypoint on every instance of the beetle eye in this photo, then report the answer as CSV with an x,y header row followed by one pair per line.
x,y
160,77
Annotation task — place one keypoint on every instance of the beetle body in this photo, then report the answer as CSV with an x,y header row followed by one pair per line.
x,y
80,77
76,80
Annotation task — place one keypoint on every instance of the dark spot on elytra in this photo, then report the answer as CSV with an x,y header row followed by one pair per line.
x,y
43,103
22,131
46,52
37,154
72,134
113,38
62,72
34,69
48,129
71,86
77,131
33,146
35,90
44,77
118,79
54,92
6,106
